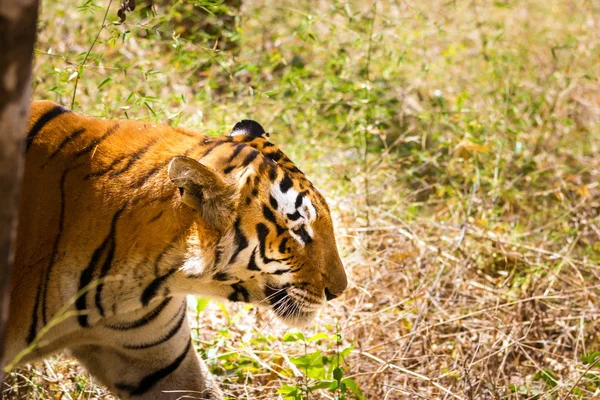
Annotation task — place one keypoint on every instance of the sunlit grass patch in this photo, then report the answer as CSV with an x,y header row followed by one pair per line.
x,y
457,144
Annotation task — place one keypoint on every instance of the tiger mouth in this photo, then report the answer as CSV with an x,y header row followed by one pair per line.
x,y
293,305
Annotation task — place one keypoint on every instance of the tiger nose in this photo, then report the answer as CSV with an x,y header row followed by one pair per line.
x,y
329,295
336,280
335,291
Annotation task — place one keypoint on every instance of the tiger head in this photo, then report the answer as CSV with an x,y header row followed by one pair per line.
x,y
271,239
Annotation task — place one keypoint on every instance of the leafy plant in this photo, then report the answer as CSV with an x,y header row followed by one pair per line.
x,y
322,371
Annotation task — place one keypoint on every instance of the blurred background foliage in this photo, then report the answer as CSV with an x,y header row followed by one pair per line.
x,y
457,142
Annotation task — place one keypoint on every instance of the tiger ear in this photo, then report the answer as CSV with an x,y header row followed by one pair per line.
x,y
204,190
250,128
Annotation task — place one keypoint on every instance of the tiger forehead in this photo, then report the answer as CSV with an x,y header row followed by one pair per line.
x,y
270,163
269,157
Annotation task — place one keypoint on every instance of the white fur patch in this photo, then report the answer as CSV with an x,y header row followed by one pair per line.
x,y
239,131
242,176
286,204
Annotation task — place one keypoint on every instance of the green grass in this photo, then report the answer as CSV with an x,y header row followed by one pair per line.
x,y
458,145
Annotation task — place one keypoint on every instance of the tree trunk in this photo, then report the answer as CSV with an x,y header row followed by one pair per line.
x,y
17,35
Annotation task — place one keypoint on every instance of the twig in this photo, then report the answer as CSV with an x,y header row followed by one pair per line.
x,y
80,67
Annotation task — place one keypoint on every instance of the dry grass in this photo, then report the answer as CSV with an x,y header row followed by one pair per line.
x,y
458,144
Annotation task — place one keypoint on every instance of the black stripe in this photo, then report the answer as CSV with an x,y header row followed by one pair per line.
x,y
104,271
268,214
252,263
229,169
280,271
105,170
268,164
147,318
296,269
172,332
150,380
273,202
88,273
157,216
97,141
295,170
54,255
301,231
272,169
218,254
149,175
84,280
240,241
282,248
42,121
107,261
238,148
294,216
263,232
34,317
133,158
211,148
276,156
221,276
161,255
238,290
249,158
65,141
286,183
162,165
299,199
245,293
152,289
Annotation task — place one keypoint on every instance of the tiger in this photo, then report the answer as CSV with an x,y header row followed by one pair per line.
x,y
121,220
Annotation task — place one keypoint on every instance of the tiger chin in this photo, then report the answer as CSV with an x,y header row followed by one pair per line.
x,y
120,220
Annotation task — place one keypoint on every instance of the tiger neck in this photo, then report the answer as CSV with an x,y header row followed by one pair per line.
x,y
184,265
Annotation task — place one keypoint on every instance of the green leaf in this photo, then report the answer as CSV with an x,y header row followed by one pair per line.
x,y
225,312
346,352
150,108
310,360
104,82
324,384
288,392
590,358
547,376
338,374
320,336
353,387
202,304
293,337
131,95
